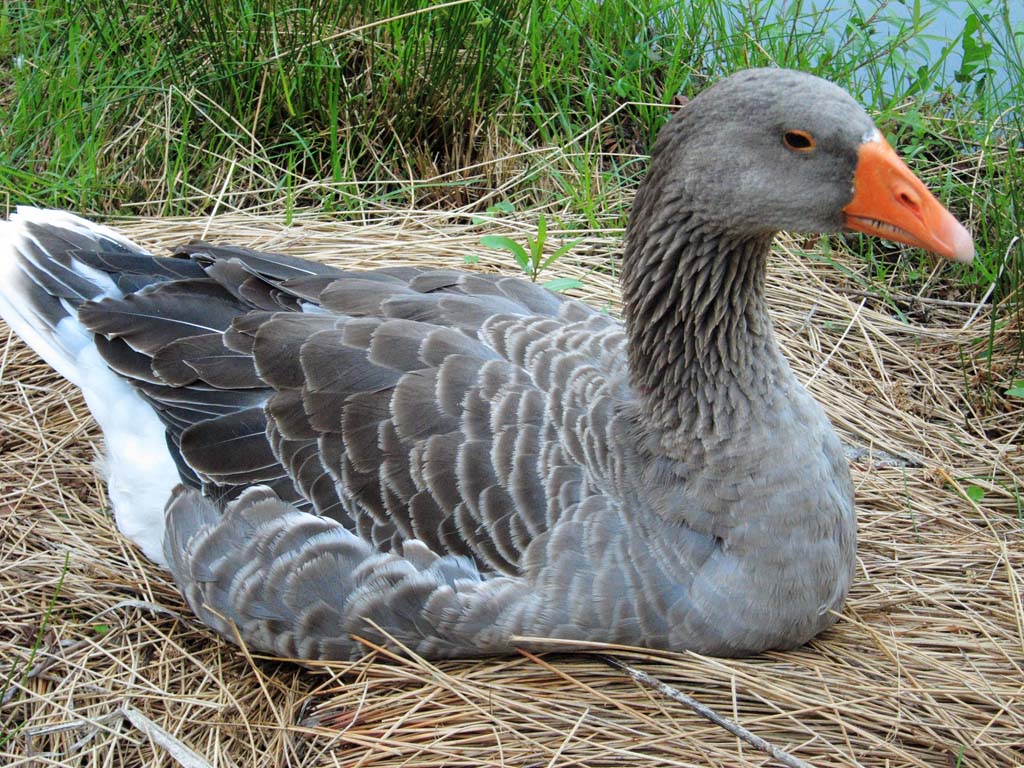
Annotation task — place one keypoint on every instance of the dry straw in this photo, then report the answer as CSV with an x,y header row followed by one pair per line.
x,y
102,665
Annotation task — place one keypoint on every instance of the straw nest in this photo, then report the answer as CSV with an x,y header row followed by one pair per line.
x,y
102,664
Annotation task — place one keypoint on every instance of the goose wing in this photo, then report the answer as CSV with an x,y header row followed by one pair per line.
x,y
464,411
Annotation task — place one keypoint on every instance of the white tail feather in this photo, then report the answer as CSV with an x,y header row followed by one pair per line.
x,y
139,470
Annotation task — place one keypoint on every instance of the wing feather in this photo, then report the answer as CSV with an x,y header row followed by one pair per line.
x,y
403,403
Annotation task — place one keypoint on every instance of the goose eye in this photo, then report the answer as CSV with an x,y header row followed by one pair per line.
x,y
798,141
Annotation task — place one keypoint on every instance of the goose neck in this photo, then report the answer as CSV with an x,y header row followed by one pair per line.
x,y
702,353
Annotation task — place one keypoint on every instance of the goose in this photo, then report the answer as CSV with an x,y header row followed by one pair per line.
x,y
458,464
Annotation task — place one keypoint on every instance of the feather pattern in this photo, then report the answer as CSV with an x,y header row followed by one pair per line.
x,y
454,455
459,463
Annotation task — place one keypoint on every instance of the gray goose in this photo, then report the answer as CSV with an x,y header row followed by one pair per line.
x,y
462,463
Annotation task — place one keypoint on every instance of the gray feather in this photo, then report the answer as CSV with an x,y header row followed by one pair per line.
x,y
173,310
231,448
205,358
449,460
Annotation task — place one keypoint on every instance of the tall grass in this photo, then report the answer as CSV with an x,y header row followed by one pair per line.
x,y
189,105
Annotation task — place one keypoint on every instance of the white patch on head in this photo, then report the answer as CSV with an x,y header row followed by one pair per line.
x,y
872,135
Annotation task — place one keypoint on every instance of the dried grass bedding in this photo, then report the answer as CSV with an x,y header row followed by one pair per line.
x,y
101,664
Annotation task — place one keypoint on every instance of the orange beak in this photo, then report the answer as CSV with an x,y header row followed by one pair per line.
x,y
891,202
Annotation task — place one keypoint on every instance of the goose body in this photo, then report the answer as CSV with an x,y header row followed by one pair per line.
x,y
462,463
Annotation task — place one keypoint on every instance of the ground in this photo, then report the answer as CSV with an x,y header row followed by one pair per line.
x,y
102,664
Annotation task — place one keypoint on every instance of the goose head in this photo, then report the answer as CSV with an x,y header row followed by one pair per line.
x,y
769,150
763,151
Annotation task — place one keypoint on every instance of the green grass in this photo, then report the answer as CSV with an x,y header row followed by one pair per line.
x,y
8,686
186,106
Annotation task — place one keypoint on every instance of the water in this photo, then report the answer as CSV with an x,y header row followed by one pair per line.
x,y
951,18
945,31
